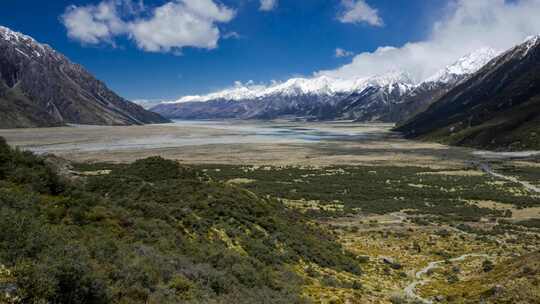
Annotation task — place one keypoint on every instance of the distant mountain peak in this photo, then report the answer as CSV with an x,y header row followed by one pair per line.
x,y
530,43
466,65
533,39
496,108
322,85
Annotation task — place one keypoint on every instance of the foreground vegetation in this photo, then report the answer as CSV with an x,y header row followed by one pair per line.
x,y
440,195
150,232
155,231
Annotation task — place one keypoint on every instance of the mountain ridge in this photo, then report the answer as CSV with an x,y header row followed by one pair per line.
x,y
40,87
496,108
389,97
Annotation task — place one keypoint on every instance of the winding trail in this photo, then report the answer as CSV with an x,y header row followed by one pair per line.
x,y
410,290
487,168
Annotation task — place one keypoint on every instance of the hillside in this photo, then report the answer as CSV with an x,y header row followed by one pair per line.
x,y
149,232
40,87
496,108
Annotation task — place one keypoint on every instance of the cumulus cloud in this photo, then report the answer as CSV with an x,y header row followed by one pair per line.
x,y
340,53
93,23
468,26
179,24
167,28
268,5
358,11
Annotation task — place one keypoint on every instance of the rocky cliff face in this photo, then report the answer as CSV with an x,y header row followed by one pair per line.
x,y
40,87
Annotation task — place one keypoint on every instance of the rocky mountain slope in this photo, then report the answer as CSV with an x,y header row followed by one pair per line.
x,y
427,92
296,97
313,98
391,97
40,87
497,108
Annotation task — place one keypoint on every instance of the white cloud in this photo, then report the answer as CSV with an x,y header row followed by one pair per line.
x,y
94,23
268,5
232,35
179,24
167,28
469,26
358,11
340,53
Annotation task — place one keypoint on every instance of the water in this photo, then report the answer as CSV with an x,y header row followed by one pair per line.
x,y
298,132
198,133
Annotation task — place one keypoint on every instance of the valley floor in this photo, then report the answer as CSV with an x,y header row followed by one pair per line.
x,y
432,223
258,143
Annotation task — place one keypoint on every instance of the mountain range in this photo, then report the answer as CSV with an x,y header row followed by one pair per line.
x,y
39,87
483,100
497,108
388,98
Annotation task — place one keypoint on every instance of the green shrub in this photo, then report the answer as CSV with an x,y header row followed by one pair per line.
x,y
151,232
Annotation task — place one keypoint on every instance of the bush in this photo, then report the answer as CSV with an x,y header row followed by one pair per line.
x,y
158,169
151,232
487,266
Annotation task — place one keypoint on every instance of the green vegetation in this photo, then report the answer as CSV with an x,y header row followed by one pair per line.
x,y
380,190
151,232
530,174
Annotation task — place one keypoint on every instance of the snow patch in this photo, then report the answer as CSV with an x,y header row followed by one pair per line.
x,y
530,43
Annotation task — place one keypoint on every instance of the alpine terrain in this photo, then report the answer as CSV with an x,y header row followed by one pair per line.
x,y
498,107
390,97
40,87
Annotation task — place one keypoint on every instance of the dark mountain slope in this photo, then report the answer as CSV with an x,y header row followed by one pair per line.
x,y
497,108
373,103
40,87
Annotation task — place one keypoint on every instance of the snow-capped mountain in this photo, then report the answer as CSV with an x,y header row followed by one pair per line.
x,y
41,87
466,65
321,86
301,97
498,107
378,98
372,102
428,91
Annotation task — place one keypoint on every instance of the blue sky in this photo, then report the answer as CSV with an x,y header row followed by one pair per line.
x,y
295,37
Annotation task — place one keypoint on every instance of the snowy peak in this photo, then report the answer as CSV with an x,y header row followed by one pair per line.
x,y
10,35
530,43
394,81
57,91
466,65
322,85
319,86
238,92
390,78
26,45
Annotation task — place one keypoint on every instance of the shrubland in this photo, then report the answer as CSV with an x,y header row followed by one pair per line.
x,y
150,232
